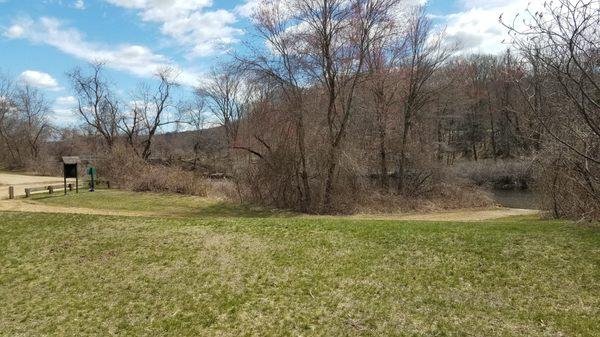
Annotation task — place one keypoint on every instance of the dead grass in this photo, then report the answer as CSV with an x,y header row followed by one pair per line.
x,y
444,197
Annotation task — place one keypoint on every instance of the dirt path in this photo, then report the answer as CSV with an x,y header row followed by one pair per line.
x,y
20,205
21,181
460,215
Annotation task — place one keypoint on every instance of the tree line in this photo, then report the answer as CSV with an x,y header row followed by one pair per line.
x,y
351,98
24,125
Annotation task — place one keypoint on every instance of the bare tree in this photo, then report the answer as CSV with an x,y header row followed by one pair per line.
x,y
7,116
316,51
282,66
424,55
130,124
33,112
152,106
565,39
194,115
562,41
337,40
383,65
227,97
97,105
24,124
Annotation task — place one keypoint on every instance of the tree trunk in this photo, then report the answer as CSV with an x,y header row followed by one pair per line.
x,y
493,136
306,197
382,153
538,106
332,160
402,160
333,157
10,148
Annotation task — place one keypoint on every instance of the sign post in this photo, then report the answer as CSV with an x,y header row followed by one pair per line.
x,y
91,171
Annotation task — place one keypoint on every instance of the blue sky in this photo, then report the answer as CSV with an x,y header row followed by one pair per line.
x,y
40,40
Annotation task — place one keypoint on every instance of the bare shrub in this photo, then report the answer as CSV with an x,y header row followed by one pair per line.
x,y
269,181
560,44
442,197
569,187
155,178
221,189
420,177
131,172
44,165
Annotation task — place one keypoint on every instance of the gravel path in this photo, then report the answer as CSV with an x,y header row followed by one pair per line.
x,y
21,181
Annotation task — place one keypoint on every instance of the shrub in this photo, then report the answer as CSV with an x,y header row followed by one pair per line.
x,y
129,171
440,197
45,165
569,187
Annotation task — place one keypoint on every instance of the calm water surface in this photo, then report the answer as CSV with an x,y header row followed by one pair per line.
x,y
515,198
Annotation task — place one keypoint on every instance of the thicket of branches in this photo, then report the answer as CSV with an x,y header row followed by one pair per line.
x,y
355,101
354,94
561,49
352,98
24,123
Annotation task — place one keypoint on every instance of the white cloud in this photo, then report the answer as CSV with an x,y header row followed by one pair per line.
x,y
14,32
39,79
63,111
134,59
247,8
189,23
477,27
79,4
66,100
64,116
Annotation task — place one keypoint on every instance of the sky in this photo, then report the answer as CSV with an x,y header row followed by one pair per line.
x,y
41,40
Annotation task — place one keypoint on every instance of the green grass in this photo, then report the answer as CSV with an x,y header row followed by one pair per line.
x,y
163,204
65,274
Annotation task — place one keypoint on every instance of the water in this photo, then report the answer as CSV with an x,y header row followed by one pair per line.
x,y
524,199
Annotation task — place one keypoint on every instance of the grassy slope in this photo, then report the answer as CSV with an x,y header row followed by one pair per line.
x,y
75,275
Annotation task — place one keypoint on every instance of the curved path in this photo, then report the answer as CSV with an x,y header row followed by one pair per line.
x,y
23,205
455,216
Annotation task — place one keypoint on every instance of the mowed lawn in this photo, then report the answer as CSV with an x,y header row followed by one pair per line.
x,y
167,205
251,272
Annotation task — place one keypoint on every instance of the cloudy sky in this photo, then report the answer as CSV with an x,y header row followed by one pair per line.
x,y
42,39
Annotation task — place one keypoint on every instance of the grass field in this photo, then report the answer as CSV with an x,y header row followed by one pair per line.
x,y
160,204
216,269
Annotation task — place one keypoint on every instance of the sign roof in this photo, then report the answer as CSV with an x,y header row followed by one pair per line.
x,y
71,160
